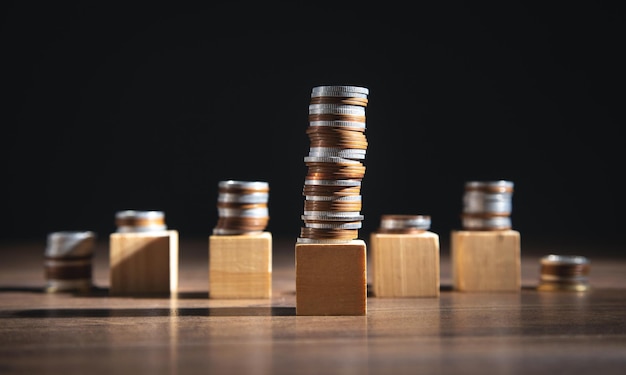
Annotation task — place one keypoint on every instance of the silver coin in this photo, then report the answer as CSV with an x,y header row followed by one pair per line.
x,y
553,259
251,185
336,109
321,90
330,159
338,94
348,153
339,124
243,198
135,214
334,225
235,212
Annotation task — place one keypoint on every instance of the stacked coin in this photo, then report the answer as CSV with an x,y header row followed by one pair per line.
x,y
487,205
67,261
404,224
140,221
242,207
332,186
564,273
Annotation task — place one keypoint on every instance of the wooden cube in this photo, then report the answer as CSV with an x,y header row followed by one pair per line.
x,y
405,264
143,262
331,279
240,266
486,261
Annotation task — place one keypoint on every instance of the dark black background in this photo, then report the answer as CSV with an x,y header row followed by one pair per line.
x,y
111,107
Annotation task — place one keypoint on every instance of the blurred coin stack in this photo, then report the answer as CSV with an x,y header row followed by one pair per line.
x,y
68,261
242,207
130,221
487,205
338,144
564,273
404,224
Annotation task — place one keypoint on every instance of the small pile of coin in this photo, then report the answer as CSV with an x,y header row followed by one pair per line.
x,y
332,186
404,224
242,207
487,205
129,221
68,261
564,273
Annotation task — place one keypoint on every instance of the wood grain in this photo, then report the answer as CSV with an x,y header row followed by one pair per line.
x,y
405,265
486,261
528,332
331,279
143,263
240,266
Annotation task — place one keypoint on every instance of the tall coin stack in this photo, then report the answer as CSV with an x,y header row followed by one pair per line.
x,y
338,144
242,207
487,205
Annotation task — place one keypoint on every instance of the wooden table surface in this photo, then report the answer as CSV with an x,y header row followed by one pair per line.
x,y
529,332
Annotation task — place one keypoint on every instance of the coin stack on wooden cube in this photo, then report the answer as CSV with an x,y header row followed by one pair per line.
x,y
405,257
143,254
335,170
330,258
486,253
240,248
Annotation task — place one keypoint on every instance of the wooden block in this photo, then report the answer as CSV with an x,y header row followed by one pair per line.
x,y
331,279
240,266
486,261
143,262
405,265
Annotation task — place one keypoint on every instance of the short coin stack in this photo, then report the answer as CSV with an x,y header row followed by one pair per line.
x,y
129,221
564,273
487,205
404,224
68,259
338,144
242,207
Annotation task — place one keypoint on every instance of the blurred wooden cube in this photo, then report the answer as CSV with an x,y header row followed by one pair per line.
x,y
331,279
143,262
486,261
405,265
240,266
